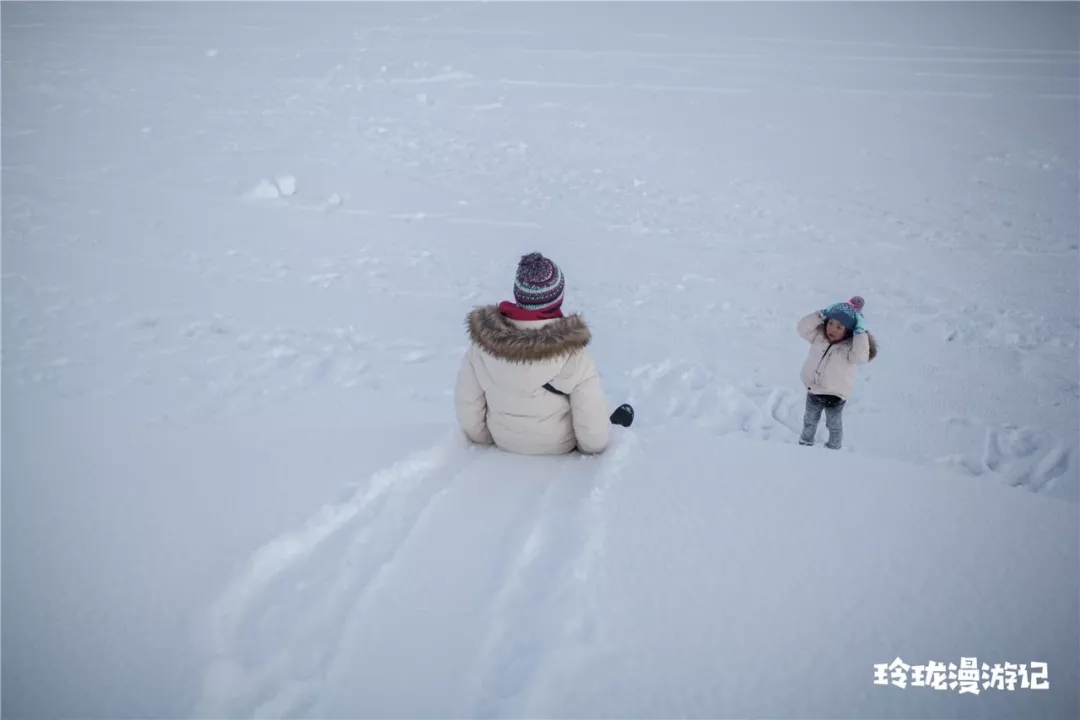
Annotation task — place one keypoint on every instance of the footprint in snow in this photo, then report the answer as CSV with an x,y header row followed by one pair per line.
x,y
1024,458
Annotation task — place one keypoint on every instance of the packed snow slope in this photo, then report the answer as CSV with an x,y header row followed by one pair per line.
x,y
735,579
239,243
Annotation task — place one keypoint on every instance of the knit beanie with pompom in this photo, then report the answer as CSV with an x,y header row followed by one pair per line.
x,y
845,312
539,285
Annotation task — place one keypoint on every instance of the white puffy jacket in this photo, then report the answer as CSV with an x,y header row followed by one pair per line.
x,y
829,368
500,396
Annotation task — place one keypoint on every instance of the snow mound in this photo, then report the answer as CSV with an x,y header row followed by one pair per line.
x,y
287,185
273,189
265,190
678,574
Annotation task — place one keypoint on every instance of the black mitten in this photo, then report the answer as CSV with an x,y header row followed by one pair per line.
x,y
623,415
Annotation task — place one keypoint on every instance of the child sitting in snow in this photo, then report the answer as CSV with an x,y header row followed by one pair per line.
x,y
527,383
838,343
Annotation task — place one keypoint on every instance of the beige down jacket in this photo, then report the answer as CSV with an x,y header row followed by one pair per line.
x,y
829,368
500,397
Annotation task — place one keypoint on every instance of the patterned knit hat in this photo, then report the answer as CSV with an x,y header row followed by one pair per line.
x,y
845,312
539,284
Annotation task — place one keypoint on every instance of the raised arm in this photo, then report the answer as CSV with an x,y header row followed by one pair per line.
x,y
859,354
808,325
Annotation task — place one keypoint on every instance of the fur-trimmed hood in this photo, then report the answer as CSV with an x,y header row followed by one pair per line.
x,y
499,336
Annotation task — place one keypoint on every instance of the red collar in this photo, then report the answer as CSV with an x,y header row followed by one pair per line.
x,y
512,311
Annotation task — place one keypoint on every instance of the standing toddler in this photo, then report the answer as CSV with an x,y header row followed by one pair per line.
x,y
839,343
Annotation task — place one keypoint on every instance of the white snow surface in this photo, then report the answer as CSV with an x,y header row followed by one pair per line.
x,y
239,243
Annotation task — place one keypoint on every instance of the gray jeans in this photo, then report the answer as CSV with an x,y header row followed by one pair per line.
x,y
834,408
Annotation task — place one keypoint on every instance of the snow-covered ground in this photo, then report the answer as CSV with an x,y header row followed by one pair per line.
x,y
239,242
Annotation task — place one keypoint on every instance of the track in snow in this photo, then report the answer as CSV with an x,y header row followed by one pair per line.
x,y
331,606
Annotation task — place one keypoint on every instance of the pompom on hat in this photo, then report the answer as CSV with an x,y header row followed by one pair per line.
x,y
539,285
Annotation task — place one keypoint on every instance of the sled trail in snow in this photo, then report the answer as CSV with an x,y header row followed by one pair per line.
x,y
357,538
334,619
